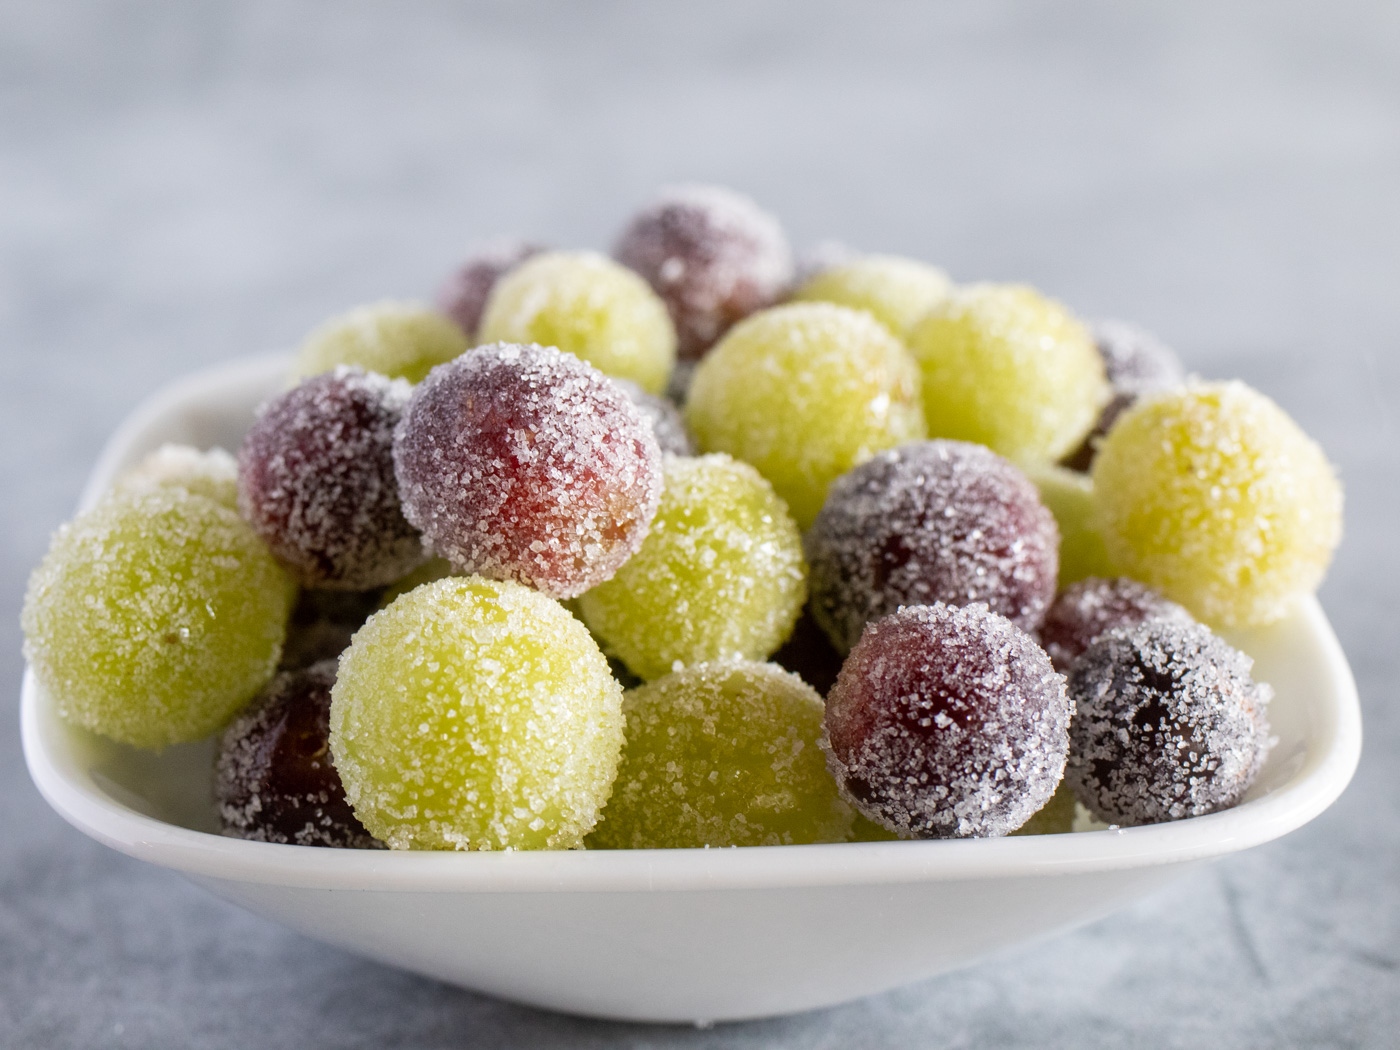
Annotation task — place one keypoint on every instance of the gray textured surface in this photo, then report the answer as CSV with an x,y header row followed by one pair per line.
x,y
181,184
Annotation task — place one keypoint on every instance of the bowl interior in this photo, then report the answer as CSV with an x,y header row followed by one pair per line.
x,y
159,805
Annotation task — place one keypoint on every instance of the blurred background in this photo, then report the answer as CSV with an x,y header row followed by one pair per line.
x,y
185,183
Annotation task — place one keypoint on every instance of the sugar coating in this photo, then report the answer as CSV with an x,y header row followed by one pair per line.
x,y
1094,606
476,714
805,392
463,296
397,339
524,463
154,616
1005,367
1056,817
212,473
896,290
430,571
665,419
947,723
1069,495
1214,496
931,521
1136,364
720,576
273,776
1167,724
589,306
722,754
316,481
713,256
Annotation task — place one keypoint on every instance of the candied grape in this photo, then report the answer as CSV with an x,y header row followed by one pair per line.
x,y
1005,367
589,306
273,777
720,576
664,418
463,297
476,714
931,521
1215,497
1094,606
316,481
1136,364
722,754
430,571
213,473
524,463
399,340
947,723
155,616
1167,724
805,392
1069,496
896,290
714,257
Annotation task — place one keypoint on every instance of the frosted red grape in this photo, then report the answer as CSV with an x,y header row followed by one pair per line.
x,y
931,521
316,481
713,256
947,722
274,780
1168,724
463,296
1094,606
521,462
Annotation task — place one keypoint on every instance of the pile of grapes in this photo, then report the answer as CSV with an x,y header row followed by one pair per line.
x,y
688,546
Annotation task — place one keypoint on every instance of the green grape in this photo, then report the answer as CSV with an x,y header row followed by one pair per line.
x,y
155,616
805,392
896,290
1005,367
399,340
213,473
476,714
589,306
430,571
1070,497
719,576
1215,497
723,754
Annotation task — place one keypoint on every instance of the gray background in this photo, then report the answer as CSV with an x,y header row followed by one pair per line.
x,y
185,183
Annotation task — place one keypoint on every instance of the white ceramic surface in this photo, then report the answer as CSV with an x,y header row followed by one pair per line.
x,y
678,935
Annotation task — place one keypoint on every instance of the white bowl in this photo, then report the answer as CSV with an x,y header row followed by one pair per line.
x,y
672,935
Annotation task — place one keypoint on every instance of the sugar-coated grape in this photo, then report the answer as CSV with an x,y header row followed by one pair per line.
x,y
714,257
524,463
947,723
1069,495
1215,497
1005,367
316,481
589,306
896,290
476,714
1056,817
212,473
463,297
274,780
430,571
1095,606
399,340
155,616
322,624
720,576
931,521
664,418
722,754
1167,724
1136,364
805,392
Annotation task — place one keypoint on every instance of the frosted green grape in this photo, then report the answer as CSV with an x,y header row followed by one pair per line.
x,y
399,340
897,291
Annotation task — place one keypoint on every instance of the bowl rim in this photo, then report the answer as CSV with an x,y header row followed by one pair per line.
x,y
1333,752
